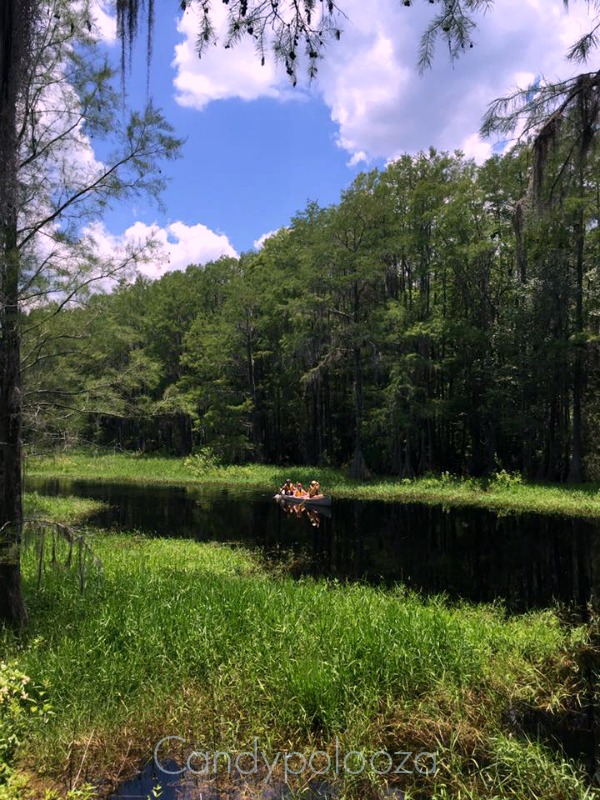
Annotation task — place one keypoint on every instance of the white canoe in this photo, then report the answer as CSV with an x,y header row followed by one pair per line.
x,y
308,501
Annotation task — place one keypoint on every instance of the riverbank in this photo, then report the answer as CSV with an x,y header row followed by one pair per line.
x,y
64,510
503,492
179,638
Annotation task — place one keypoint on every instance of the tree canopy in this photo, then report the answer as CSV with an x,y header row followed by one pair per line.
x,y
410,327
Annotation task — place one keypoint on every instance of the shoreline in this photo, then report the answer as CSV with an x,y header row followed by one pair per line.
x,y
503,493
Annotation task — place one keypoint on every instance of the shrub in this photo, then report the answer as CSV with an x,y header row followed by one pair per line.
x,y
22,705
203,462
506,480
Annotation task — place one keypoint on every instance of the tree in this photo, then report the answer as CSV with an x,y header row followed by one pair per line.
x,y
415,316
351,275
16,24
552,114
562,119
55,94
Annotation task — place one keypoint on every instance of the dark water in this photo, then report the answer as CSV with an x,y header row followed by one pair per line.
x,y
525,561
145,787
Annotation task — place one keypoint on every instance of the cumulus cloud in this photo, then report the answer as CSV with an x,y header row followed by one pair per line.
x,y
221,74
369,80
105,23
258,243
383,107
174,247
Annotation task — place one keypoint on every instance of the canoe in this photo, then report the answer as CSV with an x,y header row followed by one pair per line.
x,y
308,501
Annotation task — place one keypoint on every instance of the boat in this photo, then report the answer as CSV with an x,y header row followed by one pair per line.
x,y
307,501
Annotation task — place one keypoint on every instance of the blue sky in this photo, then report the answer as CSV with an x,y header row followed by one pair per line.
x,y
257,150
247,166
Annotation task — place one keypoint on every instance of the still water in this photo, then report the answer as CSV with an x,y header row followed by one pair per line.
x,y
525,561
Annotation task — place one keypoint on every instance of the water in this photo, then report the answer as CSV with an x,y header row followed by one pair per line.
x,y
145,787
525,561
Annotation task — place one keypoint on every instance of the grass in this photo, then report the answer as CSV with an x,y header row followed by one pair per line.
x,y
504,492
176,637
64,510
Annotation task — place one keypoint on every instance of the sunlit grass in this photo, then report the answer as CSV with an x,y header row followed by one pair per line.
x,y
181,638
503,492
66,510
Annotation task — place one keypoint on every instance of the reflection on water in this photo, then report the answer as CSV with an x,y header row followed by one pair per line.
x,y
153,783
524,560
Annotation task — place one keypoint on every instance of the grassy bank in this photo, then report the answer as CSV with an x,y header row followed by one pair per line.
x,y
502,493
65,510
196,640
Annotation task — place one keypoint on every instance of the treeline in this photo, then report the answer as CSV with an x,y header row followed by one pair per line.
x,y
442,316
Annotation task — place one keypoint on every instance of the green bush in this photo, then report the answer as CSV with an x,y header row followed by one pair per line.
x,y
22,705
202,462
506,480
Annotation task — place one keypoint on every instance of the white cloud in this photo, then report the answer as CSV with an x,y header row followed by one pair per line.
x,y
176,246
474,147
221,74
383,107
57,157
369,80
105,27
258,243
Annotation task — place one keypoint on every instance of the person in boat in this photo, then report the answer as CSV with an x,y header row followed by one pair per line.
x,y
300,491
314,491
287,488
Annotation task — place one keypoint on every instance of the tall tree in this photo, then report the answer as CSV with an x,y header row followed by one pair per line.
x,y
52,85
16,24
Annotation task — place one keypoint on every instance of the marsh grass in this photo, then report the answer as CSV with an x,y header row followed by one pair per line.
x,y
64,510
180,638
502,492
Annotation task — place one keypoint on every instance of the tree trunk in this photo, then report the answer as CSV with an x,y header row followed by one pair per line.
x,y
12,607
576,464
358,468
15,26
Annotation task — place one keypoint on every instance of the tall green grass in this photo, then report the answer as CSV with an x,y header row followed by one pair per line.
x,y
65,510
502,492
181,638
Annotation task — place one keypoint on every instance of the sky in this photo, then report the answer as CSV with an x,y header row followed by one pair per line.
x,y
258,150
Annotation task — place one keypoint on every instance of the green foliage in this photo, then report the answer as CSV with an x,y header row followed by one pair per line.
x,y
84,792
416,326
23,707
506,480
202,462
513,759
66,510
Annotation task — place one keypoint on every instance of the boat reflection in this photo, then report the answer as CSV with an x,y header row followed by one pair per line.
x,y
300,510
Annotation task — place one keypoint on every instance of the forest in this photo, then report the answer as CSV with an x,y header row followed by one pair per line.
x,y
442,316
